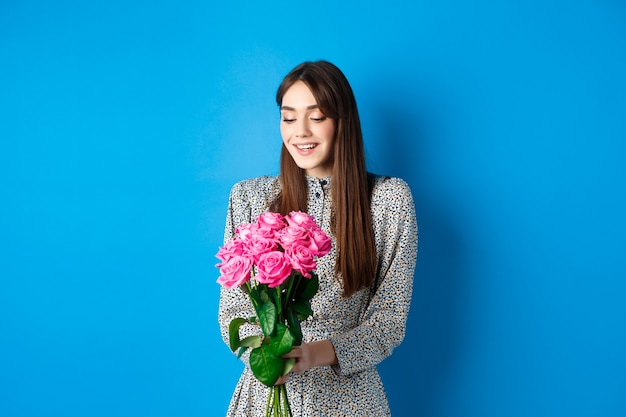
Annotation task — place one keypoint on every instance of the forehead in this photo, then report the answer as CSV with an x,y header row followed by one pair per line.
x,y
298,96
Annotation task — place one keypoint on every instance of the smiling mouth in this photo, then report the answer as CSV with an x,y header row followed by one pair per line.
x,y
306,147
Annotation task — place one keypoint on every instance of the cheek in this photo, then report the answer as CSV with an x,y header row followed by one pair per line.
x,y
284,131
328,131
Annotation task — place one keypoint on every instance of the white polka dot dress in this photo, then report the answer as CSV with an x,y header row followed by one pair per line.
x,y
364,328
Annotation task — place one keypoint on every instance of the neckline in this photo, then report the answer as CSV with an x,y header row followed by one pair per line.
x,y
324,182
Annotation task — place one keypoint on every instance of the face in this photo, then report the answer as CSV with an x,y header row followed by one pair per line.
x,y
307,133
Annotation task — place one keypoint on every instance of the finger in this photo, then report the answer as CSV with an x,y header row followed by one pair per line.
x,y
296,352
282,380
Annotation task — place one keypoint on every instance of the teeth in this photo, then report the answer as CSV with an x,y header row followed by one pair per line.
x,y
305,147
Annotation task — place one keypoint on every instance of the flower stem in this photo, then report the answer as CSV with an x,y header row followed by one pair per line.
x,y
249,290
269,398
293,278
279,307
287,408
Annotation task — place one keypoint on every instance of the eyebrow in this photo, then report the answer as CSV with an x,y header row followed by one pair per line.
x,y
311,107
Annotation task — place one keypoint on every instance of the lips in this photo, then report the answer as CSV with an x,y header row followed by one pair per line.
x,y
306,146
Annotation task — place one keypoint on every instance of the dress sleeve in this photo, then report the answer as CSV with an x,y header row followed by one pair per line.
x,y
234,302
383,323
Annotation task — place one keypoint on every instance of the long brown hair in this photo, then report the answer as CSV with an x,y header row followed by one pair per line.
x,y
351,185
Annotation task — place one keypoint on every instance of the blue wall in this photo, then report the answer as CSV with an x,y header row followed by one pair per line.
x,y
123,126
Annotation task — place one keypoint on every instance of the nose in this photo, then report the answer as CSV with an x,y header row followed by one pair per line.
x,y
302,128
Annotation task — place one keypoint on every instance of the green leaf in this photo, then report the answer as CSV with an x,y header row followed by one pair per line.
x,y
308,288
233,332
241,351
303,307
252,341
265,365
255,297
288,364
294,325
267,318
283,341
263,293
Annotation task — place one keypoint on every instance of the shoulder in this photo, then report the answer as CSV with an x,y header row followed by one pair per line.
x,y
258,184
391,199
393,213
255,191
389,189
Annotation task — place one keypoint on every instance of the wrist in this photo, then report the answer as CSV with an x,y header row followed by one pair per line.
x,y
323,353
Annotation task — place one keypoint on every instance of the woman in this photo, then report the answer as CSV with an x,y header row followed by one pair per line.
x,y
360,310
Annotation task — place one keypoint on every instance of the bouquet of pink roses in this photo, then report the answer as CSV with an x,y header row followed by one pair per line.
x,y
273,260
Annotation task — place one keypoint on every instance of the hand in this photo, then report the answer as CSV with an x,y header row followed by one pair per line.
x,y
310,355
303,356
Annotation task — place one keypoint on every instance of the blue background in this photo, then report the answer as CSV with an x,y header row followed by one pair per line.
x,y
123,126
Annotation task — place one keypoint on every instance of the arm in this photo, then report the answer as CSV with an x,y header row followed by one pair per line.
x,y
310,355
382,326
233,302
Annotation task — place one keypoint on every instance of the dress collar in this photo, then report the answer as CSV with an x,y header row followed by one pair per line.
x,y
323,182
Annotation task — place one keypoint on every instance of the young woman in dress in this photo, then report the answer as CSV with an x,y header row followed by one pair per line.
x,y
360,311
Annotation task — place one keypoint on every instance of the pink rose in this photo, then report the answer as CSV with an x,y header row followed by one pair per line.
x,y
270,222
292,235
235,272
273,268
246,230
257,245
320,243
231,249
298,218
302,259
